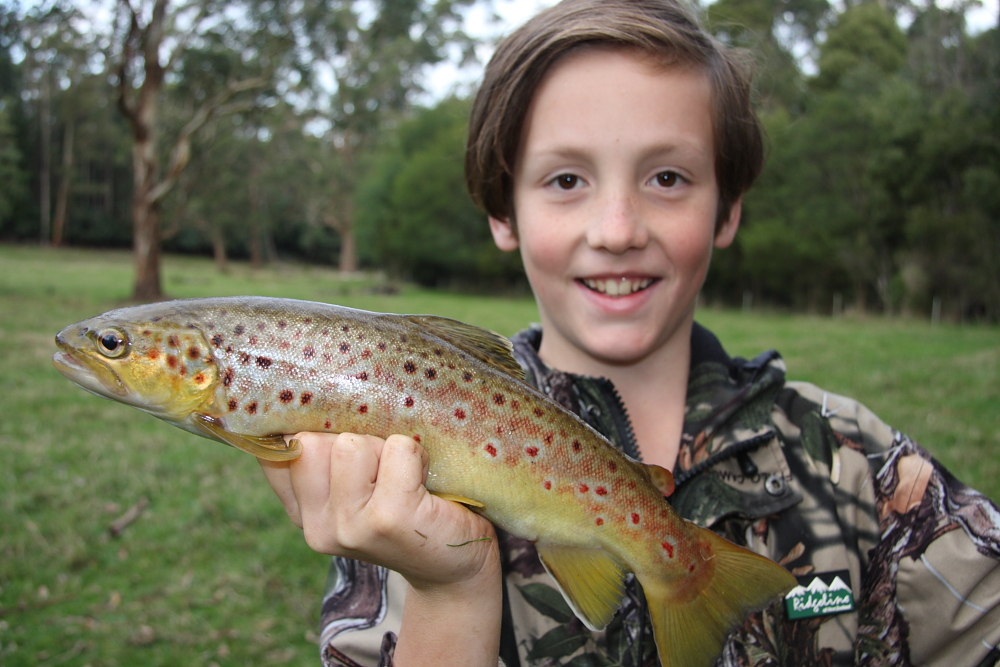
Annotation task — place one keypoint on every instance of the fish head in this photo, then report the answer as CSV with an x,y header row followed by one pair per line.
x,y
161,367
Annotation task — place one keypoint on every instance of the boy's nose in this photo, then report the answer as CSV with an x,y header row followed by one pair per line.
x,y
617,225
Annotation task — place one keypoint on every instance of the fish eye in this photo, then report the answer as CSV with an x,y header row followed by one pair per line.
x,y
112,342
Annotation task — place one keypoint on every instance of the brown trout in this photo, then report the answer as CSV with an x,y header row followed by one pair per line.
x,y
245,370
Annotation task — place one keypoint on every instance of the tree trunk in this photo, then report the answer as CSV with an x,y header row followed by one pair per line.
x,y
348,250
219,249
45,166
146,208
65,180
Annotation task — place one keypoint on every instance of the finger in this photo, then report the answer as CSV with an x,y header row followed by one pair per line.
x,y
309,474
402,469
354,462
278,476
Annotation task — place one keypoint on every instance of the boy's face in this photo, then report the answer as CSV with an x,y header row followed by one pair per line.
x,y
615,201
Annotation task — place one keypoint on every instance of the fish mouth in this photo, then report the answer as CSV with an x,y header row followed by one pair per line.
x,y
101,380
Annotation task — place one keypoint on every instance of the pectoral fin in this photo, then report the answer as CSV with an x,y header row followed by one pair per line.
x,y
267,447
591,580
661,478
459,499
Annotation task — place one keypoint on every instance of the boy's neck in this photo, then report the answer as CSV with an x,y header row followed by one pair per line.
x,y
653,390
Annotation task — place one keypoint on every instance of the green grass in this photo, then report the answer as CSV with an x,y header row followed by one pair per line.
x,y
213,572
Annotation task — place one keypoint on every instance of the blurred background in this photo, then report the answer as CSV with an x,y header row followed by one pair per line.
x,y
313,149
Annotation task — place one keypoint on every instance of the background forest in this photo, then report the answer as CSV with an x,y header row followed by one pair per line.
x,y
262,129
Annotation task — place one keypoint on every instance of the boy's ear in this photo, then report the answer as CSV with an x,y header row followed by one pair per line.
x,y
504,234
726,231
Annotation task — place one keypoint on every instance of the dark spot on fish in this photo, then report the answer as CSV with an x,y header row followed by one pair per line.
x,y
229,349
459,413
344,348
531,451
147,332
515,405
366,354
253,340
173,341
381,347
408,401
239,329
156,319
345,328
217,340
308,320
467,377
451,367
612,466
327,425
584,488
410,367
363,409
263,362
306,398
233,405
499,399
402,339
327,358
438,352
171,361
490,449
228,376
363,375
252,408
191,326
430,374
183,371
286,395
193,352
601,491
282,324
199,378
154,354
539,412
548,438
261,326
244,357
309,352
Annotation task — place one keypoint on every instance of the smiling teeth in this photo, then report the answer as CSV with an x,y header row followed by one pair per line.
x,y
618,286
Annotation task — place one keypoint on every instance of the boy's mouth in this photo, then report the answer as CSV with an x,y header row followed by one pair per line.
x,y
622,286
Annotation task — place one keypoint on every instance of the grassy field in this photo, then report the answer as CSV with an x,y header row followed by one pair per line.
x,y
212,572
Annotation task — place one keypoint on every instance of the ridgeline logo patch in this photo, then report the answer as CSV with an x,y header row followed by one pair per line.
x,y
824,594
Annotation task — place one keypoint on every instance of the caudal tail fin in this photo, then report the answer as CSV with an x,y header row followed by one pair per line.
x,y
690,626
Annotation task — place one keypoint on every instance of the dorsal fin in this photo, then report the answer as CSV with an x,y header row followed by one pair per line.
x,y
488,347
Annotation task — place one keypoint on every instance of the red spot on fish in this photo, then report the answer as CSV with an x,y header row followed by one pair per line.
x,y
173,341
263,362
416,438
515,405
252,408
408,401
154,354
601,491
306,398
539,412
410,367
381,347
669,548
577,446
282,324
612,466
284,345
691,567
344,347
193,353
327,425
460,413
635,517
363,375
548,485
599,521
217,340
366,354
363,409
239,329
171,361
286,395
182,371
531,451
499,399
548,438
467,377
309,352
490,449
233,405
430,374
584,488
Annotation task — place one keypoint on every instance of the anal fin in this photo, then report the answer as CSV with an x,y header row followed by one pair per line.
x,y
267,447
591,580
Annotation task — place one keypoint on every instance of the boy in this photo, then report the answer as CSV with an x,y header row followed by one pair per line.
x,y
610,144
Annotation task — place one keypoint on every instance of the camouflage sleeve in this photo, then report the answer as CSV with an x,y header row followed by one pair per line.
x,y
925,548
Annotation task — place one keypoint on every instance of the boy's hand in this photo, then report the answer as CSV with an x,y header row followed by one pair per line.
x,y
363,497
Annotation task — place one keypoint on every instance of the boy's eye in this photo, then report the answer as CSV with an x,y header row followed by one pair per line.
x,y
566,181
667,179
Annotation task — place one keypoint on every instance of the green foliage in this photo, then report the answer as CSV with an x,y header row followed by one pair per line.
x,y
417,217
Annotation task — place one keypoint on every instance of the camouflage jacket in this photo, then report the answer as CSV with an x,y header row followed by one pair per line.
x,y
898,561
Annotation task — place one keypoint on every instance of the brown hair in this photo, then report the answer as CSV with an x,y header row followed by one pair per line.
x,y
667,30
